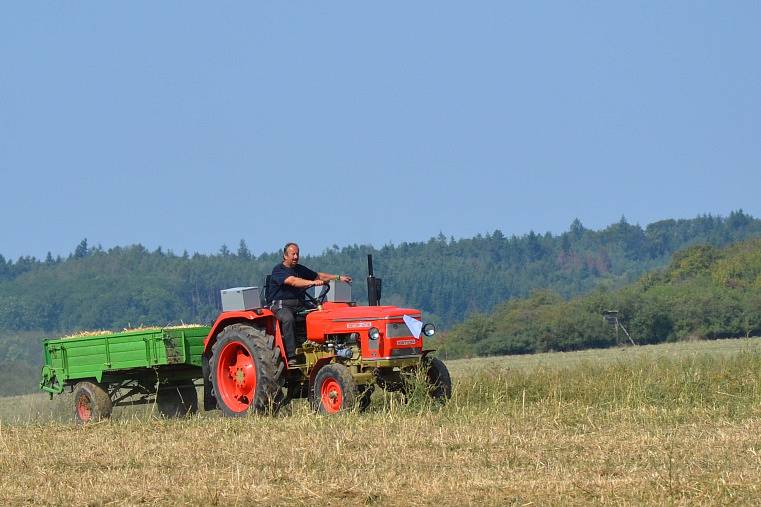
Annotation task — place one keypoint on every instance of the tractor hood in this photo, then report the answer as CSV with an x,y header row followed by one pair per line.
x,y
339,319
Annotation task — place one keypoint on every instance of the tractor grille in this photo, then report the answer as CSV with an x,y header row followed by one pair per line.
x,y
397,330
405,352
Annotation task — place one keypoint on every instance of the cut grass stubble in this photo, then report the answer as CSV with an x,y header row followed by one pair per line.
x,y
644,428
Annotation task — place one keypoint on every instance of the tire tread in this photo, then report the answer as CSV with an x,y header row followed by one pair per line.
x,y
270,379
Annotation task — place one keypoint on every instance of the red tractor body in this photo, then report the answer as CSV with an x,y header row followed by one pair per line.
x,y
395,340
338,319
345,351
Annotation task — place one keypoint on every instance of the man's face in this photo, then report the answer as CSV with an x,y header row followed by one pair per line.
x,y
291,257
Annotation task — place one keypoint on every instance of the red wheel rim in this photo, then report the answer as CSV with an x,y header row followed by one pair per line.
x,y
331,396
84,407
236,376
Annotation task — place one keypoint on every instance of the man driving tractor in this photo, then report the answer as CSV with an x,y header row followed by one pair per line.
x,y
288,283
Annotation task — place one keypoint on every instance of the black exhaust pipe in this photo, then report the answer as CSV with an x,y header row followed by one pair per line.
x,y
373,284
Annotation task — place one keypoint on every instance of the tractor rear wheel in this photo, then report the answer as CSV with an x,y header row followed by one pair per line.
x,y
177,400
247,371
438,379
334,389
91,402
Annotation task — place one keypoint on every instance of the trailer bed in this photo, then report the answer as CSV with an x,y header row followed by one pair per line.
x,y
109,356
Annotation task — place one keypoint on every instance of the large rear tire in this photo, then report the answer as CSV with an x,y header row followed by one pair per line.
x,y
91,402
177,400
247,371
334,389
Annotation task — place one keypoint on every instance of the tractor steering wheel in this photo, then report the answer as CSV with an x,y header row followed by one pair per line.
x,y
319,300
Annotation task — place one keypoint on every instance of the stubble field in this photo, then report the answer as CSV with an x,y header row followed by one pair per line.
x,y
675,423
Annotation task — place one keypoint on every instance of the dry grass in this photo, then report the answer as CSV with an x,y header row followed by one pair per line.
x,y
655,426
83,334
101,332
185,326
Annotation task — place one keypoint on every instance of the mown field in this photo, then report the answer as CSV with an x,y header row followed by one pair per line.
x,y
676,424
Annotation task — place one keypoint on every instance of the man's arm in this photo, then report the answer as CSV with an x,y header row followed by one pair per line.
x,y
322,279
302,283
326,277
310,278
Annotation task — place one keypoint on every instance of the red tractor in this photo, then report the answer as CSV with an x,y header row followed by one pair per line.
x,y
347,351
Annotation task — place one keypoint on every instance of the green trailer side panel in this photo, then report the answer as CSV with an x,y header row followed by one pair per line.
x,y
184,345
69,359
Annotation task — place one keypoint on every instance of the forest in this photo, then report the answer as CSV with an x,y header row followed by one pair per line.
x,y
480,288
705,293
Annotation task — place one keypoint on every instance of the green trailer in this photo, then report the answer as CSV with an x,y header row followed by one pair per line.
x,y
160,365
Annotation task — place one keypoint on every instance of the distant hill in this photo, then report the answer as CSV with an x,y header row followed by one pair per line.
x,y
449,279
706,292
95,288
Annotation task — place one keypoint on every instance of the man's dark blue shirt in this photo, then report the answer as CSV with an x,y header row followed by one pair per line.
x,y
278,288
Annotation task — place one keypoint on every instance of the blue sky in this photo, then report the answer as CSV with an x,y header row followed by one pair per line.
x,y
192,124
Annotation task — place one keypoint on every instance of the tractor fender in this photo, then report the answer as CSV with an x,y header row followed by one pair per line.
x,y
261,317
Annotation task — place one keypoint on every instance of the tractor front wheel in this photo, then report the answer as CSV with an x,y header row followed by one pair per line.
x,y
178,400
247,371
438,379
91,402
365,396
334,389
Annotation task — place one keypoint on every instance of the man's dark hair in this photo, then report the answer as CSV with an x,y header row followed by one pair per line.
x,y
287,246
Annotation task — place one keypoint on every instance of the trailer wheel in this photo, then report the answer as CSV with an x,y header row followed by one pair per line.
x,y
91,402
247,371
178,400
334,389
438,378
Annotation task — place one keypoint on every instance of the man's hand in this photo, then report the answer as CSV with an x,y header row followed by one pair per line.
x,y
317,283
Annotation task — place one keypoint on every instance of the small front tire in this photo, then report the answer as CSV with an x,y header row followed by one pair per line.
x,y
334,389
365,396
91,402
438,379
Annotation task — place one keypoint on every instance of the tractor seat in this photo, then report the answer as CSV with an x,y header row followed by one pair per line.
x,y
266,299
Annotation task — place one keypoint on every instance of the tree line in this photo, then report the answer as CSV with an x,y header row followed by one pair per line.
x,y
704,293
450,280
447,278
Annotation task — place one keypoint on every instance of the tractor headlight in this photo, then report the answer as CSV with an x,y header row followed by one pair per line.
x,y
429,329
373,333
